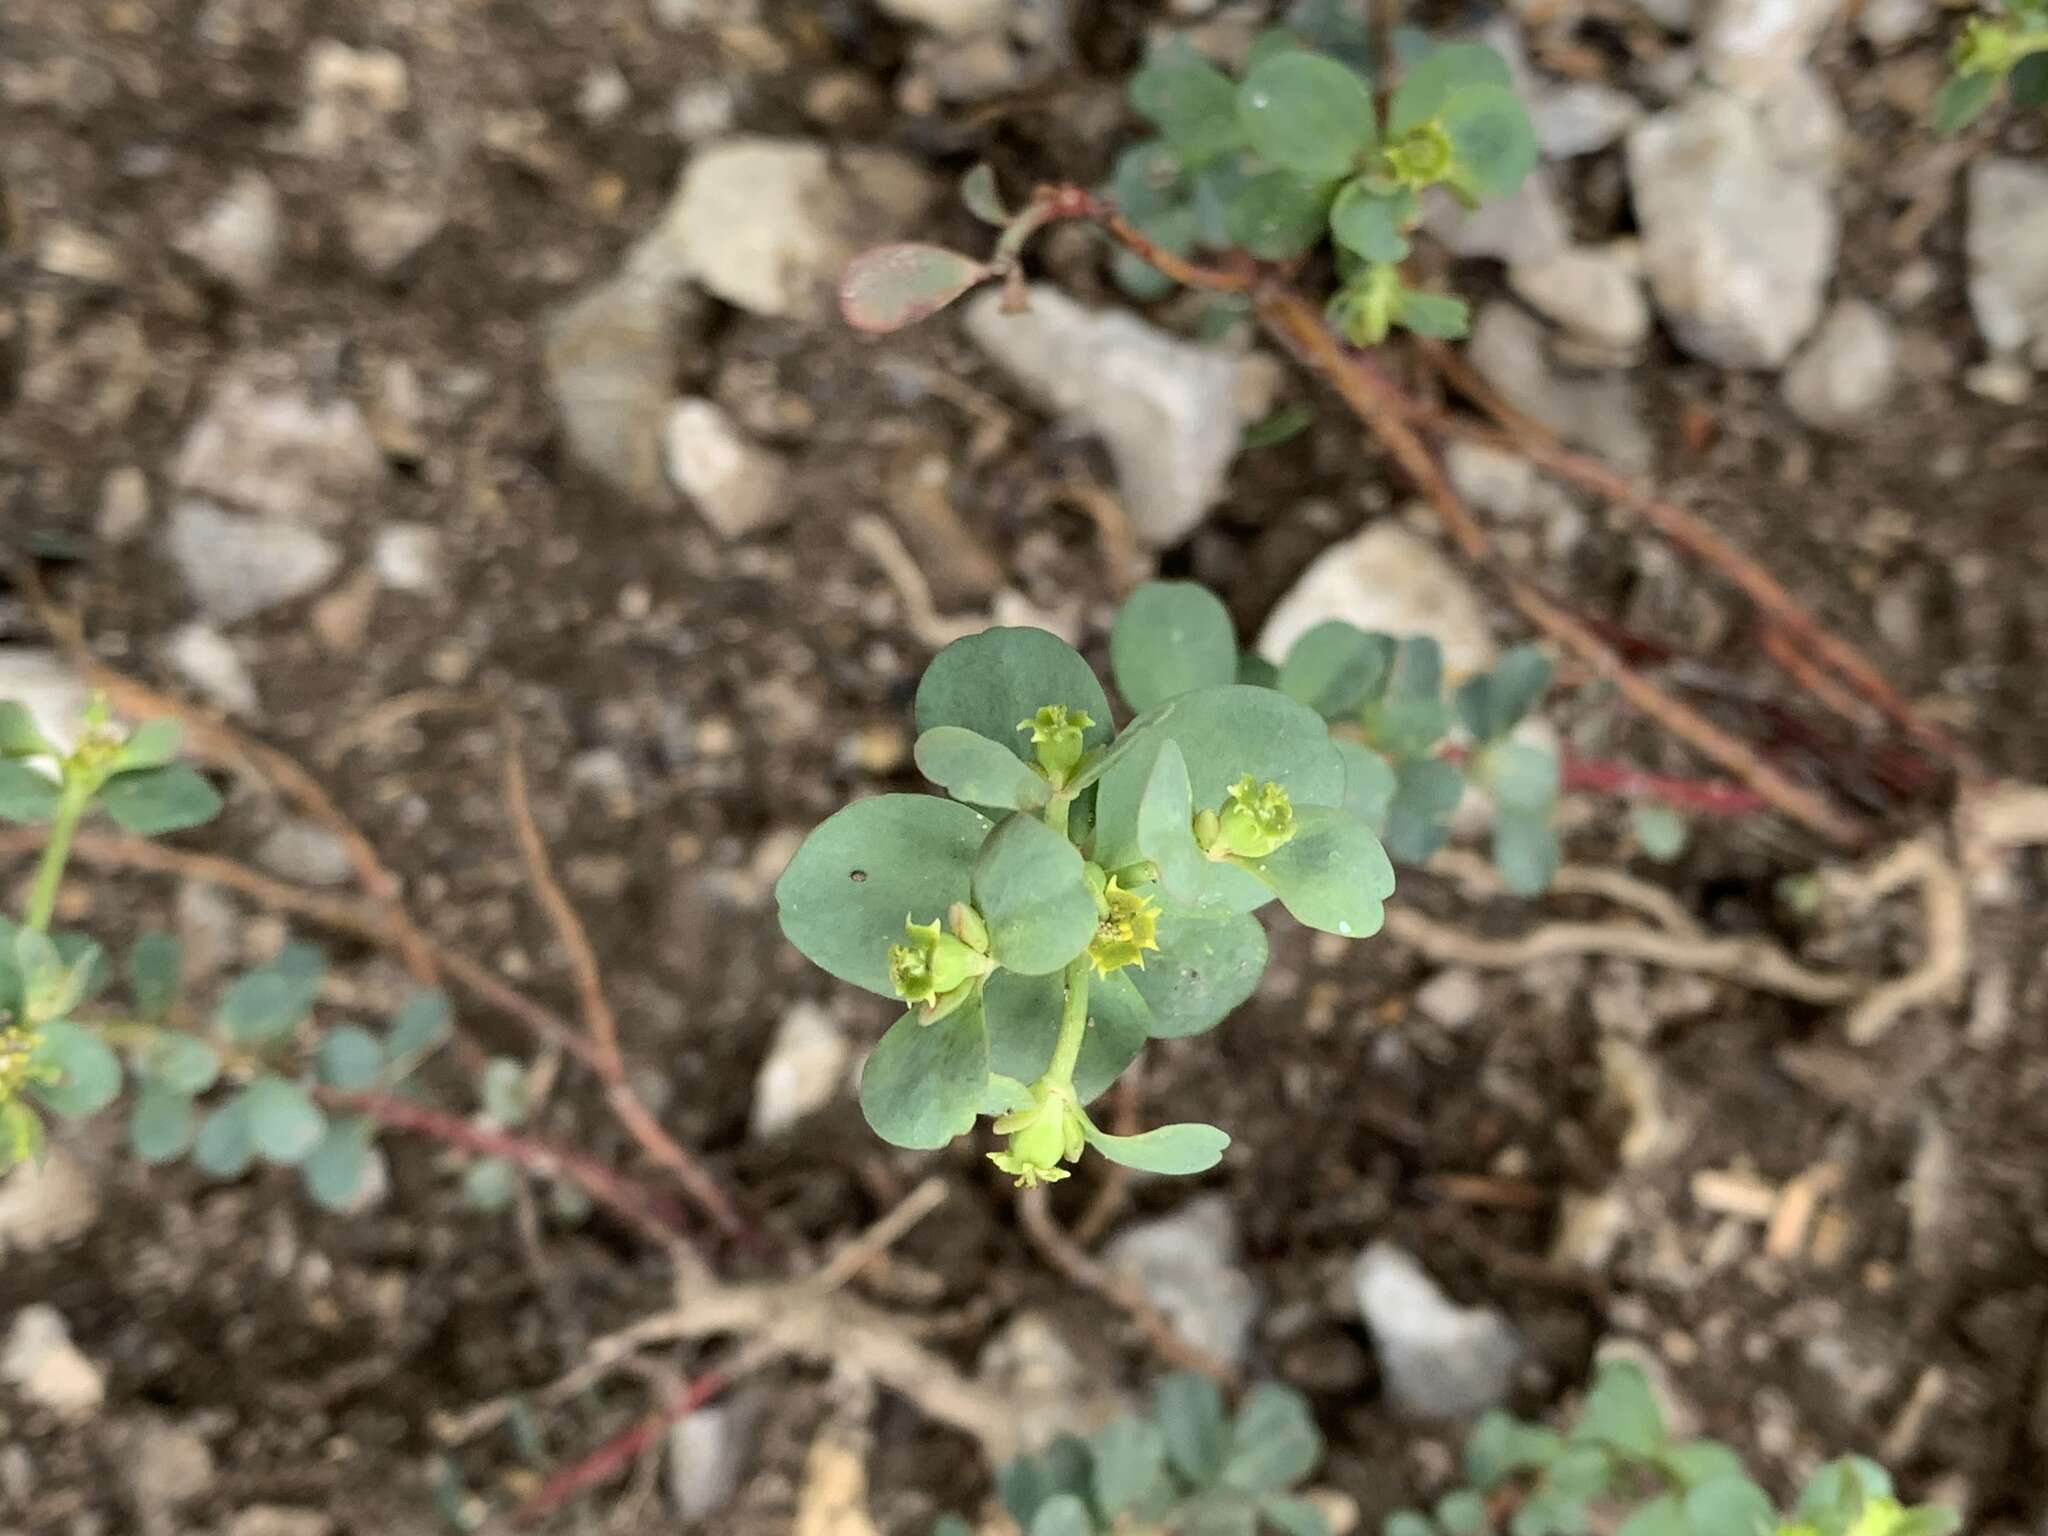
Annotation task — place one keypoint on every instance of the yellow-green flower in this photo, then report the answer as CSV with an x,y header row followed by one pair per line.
x,y
937,970
1129,927
1042,1137
1985,48
1056,740
1422,156
1256,819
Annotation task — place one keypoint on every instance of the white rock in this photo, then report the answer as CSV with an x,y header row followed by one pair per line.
x,y
1599,411
407,558
235,565
280,1520
1748,45
1885,24
1497,481
2003,379
1593,293
1049,1390
2008,234
1802,124
804,1069
209,929
205,659
1738,246
48,1368
46,683
386,229
124,505
704,110
951,18
1186,1264
1438,1360
1453,997
1393,582
1527,226
1846,371
350,95
610,360
706,1455
240,235
1581,118
47,1203
278,452
1165,408
306,852
740,487
165,1466
603,95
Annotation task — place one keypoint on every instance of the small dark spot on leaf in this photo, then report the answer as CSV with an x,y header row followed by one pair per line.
x,y
860,876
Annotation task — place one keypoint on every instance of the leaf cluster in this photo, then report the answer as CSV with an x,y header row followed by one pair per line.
x,y
136,781
2007,53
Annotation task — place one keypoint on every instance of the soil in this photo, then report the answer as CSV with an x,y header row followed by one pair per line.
x,y
741,691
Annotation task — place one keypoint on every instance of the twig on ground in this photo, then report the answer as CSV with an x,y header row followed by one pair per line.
x,y
883,546
1152,1324
393,712
1116,539
1477,876
612,1458
1945,932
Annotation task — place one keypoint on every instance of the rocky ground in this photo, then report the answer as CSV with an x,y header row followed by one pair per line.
x,y
362,366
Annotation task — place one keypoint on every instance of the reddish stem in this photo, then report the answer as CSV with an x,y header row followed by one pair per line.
x,y
612,1458
1703,797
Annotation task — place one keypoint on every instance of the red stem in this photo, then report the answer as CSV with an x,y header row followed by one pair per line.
x,y
1703,797
613,1457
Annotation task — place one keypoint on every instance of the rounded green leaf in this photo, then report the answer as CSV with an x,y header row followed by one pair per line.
x,y
922,1085
1208,962
1170,637
1520,777
22,1137
1332,875
1369,783
155,974
1277,215
1426,792
284,1122
1148,181
271,1001
159,800
489,1184
26,796
1495,702
1189,1409
504,1092
1189,100
1444,316
1166,836
1029,888
1493,137
978,191
351,1058
1307,114
989,682
423,1024
1223,734
1335,668
1023,1018
337,1171
1373,225
1500,1445
1960,101
1463,1513
1407,1522
20,736
2029,81
1729,1506
151,745
1429,82
1064,1514
225,1146
184,1064
1661,1516
85,1074
1408,716
1129,1458
1525,850
1621,1411
1702,1461
1660,831
1171,1149
893,286
1274,1444
971,768
1294,1517
1840,1488
863,871
161,1125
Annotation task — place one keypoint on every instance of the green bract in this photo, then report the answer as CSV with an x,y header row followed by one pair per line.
x,y
1111,902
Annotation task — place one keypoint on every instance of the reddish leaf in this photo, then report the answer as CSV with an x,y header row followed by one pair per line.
x,y
897,285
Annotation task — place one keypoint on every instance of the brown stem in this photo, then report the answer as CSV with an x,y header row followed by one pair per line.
x,y
612,1458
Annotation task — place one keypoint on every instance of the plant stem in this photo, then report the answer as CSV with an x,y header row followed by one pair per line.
x,y
42,900
1057,810
1073,1024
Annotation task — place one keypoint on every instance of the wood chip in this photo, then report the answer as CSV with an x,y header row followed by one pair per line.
x,y
1729,1193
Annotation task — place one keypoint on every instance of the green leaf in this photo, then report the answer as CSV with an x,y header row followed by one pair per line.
x,y
86,1073
1335,27
1332,875
22,1137
2028,81
1441,315
1129,1457
1373,224
1519,777
1002,1095
1729,1506
90,970
1549,1513
1274,1444
20,736
1170,1149
864,870
49,988
1213,188
1369,783
1223,733
26,796
270,1002
284,1122
1062,1515
154,801
161,1125
336,1170
1270,431
1029,888
1271,43
423,1024
1842,1487
1189,100
1307,114
1335,668
1023,1014
1408,716
978,771
1662,1516
1660,831
504,1092
151,745
1189,1409
1407,1522
1961,100
922,1085
351,1058
1702,1461
1170,637
226,1145
1463,1513
1143,282
1209,962
1294,1517
893,286
1494,140
1426,792
1147,182
1166,836
155,974
1501,1445
489,1184
951,1525
1428,84
979,193
1621,1411
1927,1520
184,1064
1277,215
1584,1472
1494,703
989,682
